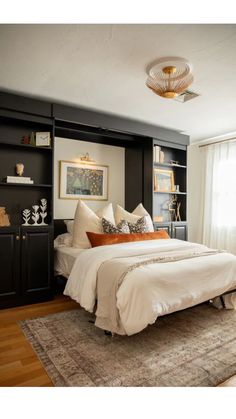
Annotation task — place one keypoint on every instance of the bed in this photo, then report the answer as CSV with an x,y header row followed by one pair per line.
x,y
64,259
132,284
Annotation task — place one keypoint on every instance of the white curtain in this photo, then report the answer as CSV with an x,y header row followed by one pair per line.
x,y
219,207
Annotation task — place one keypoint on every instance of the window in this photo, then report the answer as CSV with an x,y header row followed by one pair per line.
x,y
224,193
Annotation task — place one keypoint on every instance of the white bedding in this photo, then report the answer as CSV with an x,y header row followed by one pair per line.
x,y
153,290
64,260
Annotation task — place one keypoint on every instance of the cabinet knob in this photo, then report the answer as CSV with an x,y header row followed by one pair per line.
x,y
17,237
23,237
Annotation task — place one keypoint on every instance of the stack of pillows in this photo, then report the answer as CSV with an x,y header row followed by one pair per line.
x,y
90,229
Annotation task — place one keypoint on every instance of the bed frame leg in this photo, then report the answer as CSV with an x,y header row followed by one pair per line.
x,y
107,333
222,301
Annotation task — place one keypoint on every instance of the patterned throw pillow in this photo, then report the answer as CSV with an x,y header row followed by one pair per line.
x,y
110,228
140,226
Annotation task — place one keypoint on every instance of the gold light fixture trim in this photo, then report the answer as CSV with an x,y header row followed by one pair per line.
x,y
170,69
170,77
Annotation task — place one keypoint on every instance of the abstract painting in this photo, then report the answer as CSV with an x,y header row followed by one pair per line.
x,y
83,180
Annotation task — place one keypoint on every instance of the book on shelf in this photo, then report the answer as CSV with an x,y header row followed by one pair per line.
x,y
19,179
157,150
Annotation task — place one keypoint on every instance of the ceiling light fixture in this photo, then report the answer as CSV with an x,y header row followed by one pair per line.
x,y
170,77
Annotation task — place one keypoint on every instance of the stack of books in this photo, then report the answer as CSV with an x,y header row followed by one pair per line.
x,y
19,179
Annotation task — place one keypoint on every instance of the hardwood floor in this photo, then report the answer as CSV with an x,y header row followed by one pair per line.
x,y
19,365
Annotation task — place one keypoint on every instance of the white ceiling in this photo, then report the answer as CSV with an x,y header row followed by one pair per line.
x,y
104,67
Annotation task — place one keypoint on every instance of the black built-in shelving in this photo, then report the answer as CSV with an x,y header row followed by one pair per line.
x,y
177,228
26,253
37,165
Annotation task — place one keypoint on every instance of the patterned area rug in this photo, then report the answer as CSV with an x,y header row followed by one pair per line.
x,y
195,347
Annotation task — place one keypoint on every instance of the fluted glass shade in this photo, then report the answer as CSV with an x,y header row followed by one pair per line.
x,y
170,77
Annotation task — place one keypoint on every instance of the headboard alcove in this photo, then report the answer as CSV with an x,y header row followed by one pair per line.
x,y
59,227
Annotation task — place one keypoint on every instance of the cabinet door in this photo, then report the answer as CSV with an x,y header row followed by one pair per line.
x,y
9,262
37,253
179,231
163,226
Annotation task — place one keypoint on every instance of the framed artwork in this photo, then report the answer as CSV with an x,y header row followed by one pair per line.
x,y
83,180
163,180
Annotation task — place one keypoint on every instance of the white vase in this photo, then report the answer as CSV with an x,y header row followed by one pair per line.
x,y
35,214
43,216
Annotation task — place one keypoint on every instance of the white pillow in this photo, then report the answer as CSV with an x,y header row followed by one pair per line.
x,y
106,212
86,220
64,239
109,214
122,214
69,225
141,212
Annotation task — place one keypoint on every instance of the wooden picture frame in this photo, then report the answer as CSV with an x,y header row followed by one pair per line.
x,y
164,180
83,180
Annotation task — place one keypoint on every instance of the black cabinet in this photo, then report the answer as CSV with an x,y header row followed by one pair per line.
x,y
163,226
176,230
10,264
36,256
26,258
180,231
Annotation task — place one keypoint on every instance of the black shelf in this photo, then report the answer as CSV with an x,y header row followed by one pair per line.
x,y
170,165
27,185
162,199
23,118
37,163
17,226
24,146
171,192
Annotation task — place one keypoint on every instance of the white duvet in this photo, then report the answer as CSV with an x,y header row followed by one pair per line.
x,y
152,290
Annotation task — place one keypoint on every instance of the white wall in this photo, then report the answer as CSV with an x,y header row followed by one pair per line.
x,y
114,157
195,179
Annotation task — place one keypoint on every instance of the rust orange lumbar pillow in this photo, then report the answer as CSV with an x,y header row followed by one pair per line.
x,y
97,239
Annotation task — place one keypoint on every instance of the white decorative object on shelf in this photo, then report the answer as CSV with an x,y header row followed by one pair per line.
x,y
43,212
162,156
19,179
20,169
35,214
176,188
26,217
157,150
38,210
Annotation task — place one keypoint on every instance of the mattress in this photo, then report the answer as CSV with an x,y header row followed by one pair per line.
x,y
64,259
